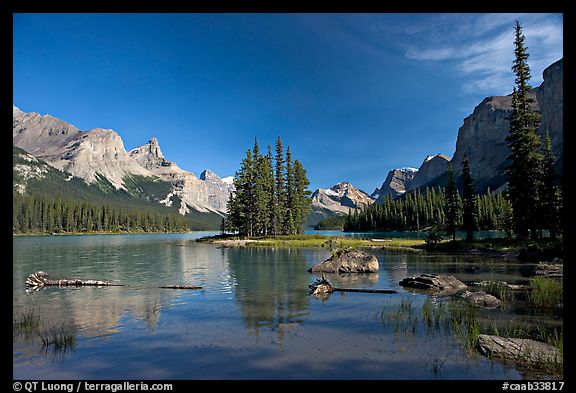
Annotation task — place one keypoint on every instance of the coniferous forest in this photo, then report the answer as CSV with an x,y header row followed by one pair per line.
x,y
272,196
421,210
41,214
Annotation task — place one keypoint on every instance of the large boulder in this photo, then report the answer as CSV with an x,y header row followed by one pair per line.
x,y
347,261
481,299
433,282
519,350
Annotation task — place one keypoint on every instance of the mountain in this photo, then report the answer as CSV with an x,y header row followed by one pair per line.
x,y
99,158
336,200
431,167
204,194
395,184
89,155
483,135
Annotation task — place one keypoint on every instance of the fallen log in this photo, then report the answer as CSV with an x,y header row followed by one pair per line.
x,y
40,280
180,287
322,286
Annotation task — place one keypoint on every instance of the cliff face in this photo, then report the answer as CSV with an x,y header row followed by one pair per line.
x,y
100,154
550,96
207,193
85,154
483,135
396,183
340,198
431,167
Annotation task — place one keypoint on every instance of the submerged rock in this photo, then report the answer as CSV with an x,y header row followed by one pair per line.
x,y
552,270
433,282
520,350
481,299
347,261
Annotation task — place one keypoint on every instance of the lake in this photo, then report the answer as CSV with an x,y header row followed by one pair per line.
x,y
253,318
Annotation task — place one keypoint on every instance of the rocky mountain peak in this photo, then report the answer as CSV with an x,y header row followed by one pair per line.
x,y
209,175
482,137
149,155
395,184
432,167
340,198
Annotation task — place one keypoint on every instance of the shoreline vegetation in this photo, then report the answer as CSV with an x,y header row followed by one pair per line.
x,y
530,250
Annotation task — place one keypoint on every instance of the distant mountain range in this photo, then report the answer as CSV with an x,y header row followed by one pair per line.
x,y
49,150
482,138
51,154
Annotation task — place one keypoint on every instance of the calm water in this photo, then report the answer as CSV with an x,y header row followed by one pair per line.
x,y
253,319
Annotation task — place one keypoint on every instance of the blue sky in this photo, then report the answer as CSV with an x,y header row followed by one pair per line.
x,y
353,95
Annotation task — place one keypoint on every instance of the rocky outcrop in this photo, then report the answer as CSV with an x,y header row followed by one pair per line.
x,y
433,282
395,184
519,350
481,299
431,168
85,154
207,193
340,198
99,154
347,261
482,137
550,96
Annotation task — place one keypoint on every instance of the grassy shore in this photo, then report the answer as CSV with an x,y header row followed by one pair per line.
x,y
297,241
541,250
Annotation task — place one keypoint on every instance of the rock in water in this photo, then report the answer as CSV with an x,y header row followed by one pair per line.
x,y
433,282
347,261
519,350
481,299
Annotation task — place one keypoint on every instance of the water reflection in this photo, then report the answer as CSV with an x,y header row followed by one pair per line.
x,y
252,319
270,298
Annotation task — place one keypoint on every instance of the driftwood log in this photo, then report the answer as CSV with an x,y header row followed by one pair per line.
x,y
179,287
40,280
323,286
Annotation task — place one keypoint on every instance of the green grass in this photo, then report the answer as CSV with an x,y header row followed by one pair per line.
x,y
546,292
58,338
315,240
27,324
496,289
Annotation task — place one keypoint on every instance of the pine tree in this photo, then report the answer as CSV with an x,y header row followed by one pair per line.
x,y
241,205
268,174
261,194
469,212
289,211
280,197
451,204
302,197
549,207
524,172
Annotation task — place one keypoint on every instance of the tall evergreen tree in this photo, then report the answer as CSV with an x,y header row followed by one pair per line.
x,y
280,196
241,206
524,172
303,203
261,192
549,207
451,202
469,211
268,173
289,211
